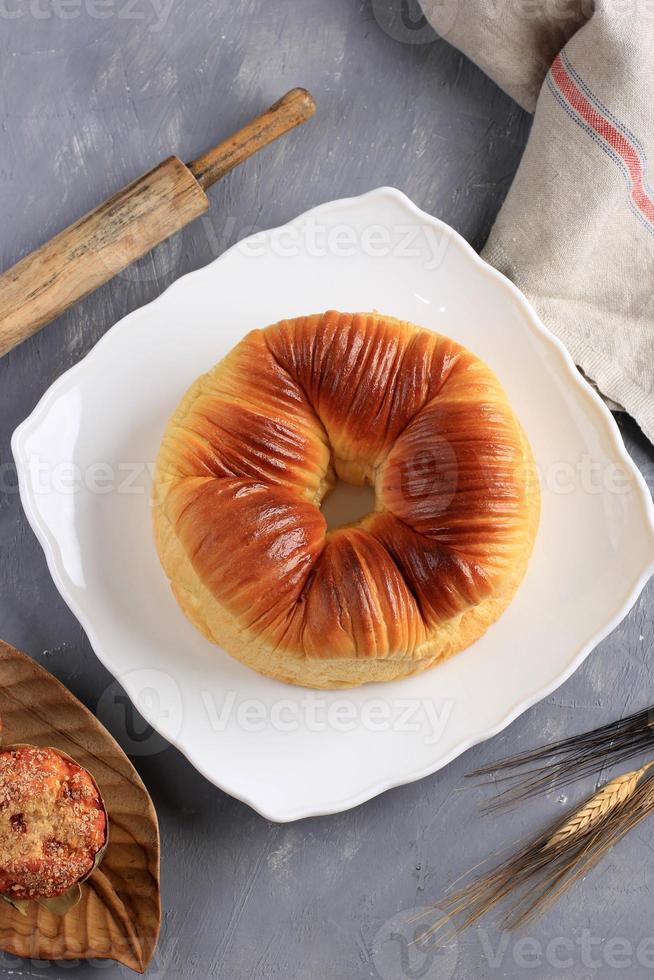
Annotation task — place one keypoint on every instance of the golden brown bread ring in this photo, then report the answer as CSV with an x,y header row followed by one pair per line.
x,y
257,443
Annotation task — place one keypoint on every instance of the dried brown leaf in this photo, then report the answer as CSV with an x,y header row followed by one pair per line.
x,y
119,915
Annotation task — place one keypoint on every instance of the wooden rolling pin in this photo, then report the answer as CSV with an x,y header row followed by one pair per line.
x,y
93,250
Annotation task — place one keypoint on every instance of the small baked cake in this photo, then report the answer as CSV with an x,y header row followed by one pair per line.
x,y
258,442
52,823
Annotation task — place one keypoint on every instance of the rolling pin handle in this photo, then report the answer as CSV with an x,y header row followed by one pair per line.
x,y
98,246
290,111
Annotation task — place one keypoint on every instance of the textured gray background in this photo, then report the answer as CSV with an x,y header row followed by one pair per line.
x,y
86,104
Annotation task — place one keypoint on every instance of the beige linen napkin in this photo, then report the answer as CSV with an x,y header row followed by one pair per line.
x,y
576,232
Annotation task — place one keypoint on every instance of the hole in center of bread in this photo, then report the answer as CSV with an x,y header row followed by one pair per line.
x,y
347,504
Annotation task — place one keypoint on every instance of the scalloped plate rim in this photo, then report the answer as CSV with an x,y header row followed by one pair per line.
x,y
584,390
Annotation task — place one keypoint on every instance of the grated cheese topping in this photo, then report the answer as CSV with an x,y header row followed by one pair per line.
x,y
52,823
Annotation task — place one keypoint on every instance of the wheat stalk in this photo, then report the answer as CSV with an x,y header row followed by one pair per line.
x,y
560,763
610,796
544,867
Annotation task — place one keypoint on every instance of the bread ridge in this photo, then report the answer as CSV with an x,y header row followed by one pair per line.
x,y
290,663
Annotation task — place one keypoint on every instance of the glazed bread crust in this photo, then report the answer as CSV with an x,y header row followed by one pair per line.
x,y
257,443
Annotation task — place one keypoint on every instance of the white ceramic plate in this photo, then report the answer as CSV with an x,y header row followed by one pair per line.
x,y
83,459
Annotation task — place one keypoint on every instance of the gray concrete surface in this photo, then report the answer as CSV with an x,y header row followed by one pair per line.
x,y
92,94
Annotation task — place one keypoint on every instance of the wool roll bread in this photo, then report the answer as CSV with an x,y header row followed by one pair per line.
x,y
258,442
